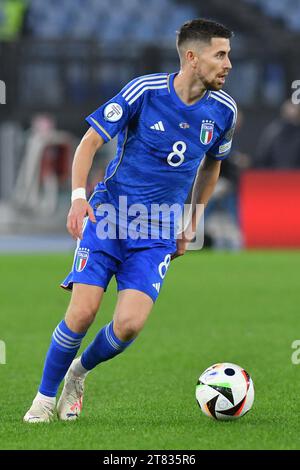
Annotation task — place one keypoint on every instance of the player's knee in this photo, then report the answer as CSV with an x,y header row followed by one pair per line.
x,y
80,317
127,329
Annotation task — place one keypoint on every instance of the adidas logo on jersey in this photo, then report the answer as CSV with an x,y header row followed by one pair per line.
x,y
158,126
156,286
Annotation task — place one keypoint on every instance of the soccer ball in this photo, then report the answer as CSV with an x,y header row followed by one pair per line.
x,y
225,391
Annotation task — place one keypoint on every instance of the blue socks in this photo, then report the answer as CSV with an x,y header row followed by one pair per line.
x,y
105,346
62,351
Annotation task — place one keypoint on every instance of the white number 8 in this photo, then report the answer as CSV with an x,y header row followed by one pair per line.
x,y
178,153
163,267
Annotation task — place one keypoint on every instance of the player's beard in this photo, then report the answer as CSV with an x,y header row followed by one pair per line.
x,y
210,85
213,85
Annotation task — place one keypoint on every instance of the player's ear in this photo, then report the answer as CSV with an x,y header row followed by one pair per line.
x,y
191,58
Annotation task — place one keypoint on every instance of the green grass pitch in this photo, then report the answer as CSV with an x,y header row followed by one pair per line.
x,y
214,307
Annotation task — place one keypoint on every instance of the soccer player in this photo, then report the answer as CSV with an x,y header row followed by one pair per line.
x,y
173,131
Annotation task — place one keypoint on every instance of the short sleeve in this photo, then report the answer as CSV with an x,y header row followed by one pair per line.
x,y
221,149
114,115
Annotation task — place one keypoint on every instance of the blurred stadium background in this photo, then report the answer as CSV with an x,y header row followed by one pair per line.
x,y
61,59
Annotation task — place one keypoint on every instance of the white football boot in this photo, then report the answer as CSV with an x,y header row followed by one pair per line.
x,y
70,403
41,411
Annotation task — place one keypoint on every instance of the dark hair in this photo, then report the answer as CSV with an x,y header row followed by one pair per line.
x,y
202,30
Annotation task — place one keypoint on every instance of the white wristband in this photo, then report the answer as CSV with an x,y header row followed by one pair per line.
x,y
78,193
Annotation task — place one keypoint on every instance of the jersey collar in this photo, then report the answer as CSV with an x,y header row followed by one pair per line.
x,y
176,98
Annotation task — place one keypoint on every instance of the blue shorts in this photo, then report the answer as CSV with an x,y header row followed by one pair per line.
x,y
137,264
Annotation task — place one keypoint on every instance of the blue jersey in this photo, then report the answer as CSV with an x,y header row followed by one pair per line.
x,y
161,140
161,144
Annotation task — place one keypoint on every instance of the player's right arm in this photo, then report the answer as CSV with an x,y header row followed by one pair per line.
x,y
83,159
106,122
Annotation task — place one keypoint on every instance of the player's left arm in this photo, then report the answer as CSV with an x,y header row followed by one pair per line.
x,y
204,185
206,180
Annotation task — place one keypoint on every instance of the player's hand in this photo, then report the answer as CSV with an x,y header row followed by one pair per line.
x,y
182,244
79,209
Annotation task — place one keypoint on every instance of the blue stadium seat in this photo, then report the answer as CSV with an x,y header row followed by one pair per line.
x,y
286,10
139,20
